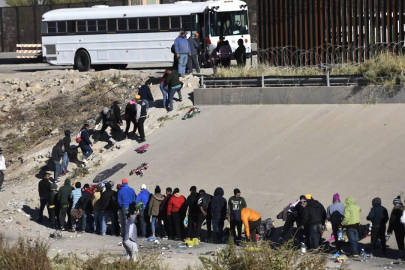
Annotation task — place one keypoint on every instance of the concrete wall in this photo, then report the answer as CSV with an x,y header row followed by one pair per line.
x,y
299,95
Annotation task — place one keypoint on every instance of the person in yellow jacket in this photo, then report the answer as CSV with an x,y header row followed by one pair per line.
x,y
251,219
351,222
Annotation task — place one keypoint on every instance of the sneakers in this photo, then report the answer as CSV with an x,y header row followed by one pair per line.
x,y
142,140
112,141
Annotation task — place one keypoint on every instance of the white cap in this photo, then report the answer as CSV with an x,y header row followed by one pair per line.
x,y
143,186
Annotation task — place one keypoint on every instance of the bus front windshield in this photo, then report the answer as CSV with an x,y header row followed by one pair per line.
x,y
229,23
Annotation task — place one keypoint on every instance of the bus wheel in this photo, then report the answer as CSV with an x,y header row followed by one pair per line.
x,y
82,60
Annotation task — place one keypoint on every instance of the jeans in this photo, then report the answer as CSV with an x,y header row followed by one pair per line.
x,y
173,91
86,150
146,104
193,60
97,220
42,205
238,224
104,217
62,218
65,162
335,229
182,63
218,226
1,179
131,248
378,232
164,89
155,220
143,223
353,235
315,235
57,169
122,219
86,214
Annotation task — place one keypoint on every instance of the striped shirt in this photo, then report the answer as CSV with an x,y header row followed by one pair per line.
x,y
76,194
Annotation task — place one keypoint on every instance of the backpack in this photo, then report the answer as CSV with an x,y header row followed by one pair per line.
x,y
265,229
79,137
173,50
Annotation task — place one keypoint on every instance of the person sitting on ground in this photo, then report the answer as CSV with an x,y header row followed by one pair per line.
x,y
153,210
85,143
252,220
396,226
176,209
174,84
379,217
240,54
141,114
130,236
146,94
335,214
130,113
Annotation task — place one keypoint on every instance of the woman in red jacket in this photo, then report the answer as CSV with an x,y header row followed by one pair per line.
x,y
176,210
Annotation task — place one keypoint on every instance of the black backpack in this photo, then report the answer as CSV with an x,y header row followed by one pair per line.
x,y
173,49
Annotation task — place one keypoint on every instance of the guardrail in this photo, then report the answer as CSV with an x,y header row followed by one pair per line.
x,y
273,81
31,53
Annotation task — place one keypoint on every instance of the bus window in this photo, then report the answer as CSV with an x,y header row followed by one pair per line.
x,y
62,27
186,23
153,23
164,23
51,27
122,25
174,22
71,27
229,23
112,25
133,24
92,25
143,23
81,26
101,25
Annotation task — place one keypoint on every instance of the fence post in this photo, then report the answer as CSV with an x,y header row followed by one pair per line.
x,y
327,78
202,82
262,80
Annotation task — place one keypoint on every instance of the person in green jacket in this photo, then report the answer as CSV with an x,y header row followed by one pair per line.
x,y
63,196
174,85
351,222
235,205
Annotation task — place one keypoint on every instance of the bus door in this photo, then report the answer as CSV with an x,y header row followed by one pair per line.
x,y
196,27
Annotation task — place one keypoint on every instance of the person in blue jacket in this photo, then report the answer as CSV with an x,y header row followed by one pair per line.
x,y
182,48
143,197
218,209
146,94
126,196
85,143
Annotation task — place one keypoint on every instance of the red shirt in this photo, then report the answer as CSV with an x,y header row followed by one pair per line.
x,y
177,203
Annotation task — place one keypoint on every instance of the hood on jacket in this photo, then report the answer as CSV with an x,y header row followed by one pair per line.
x,y
124,185
177,195
67,182
60,143
349,200
376,201
219,192
314,203
108,186
158,197
67,133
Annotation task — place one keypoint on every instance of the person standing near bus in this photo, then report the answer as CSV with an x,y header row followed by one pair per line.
x,y
182,48
193,59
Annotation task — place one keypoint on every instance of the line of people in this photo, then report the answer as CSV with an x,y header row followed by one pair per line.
x,y
311,217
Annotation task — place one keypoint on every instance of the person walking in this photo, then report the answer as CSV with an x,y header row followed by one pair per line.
x,y
176,209
252,220
130,113
75,196
193,211
146,94
125,197
193,59
235,205
379,217
164,87
143,197
53,206
85,144
240,54
218,210
396,226
141,114
174,85
163,213
56,155
335,214
130,236
313,219
44,188
96,203
66,153
63,197
153,210
107,199
2,169
351,221
204,203
182,49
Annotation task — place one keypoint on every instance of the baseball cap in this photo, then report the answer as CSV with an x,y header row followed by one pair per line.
x,y
308,196
124,181
143,186
137,97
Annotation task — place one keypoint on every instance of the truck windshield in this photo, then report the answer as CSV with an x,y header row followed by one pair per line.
x,y
229,23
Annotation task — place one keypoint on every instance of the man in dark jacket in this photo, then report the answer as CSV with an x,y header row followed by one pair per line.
x,y
379,217
66,153
396,225
130,113
146,94
53,206
235,205
102,117
115,122
174,85
44,187
64,201
313,219
85,202
194,50
85,143
57,154
218,209
204,203
193,210
163,212
107,200
240,54
141,114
